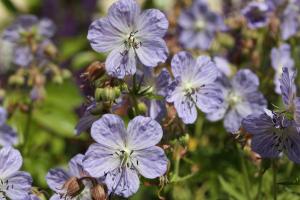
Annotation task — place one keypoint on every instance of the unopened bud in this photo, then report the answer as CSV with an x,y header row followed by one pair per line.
x,y
107,94
57,79
73,187
99,192
142,107
50,50
16,80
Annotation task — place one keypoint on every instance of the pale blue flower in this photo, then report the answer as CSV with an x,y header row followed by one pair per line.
x,y
8,136
57,179
39,31
241,98
14,184
198,26
257,14
121,155
129,35
290,20
193,86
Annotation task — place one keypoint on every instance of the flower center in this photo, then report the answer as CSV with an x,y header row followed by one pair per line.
x,y
200,24
124,155
234,98
131,41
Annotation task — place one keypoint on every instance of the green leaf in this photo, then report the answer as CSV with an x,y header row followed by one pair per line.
x,y
230,189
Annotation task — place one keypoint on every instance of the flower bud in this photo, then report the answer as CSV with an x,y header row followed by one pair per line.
x,y
16,80
107,94
99,192
142,107
73,187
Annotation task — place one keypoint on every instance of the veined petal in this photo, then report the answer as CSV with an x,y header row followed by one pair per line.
x,y
287,87
109,131
151,162
245,81
121,62
186,109
152,23
206,71
56,178
152,51
123,15
182,62
208,98
232,121
297,110
143,132
256,124
99,160
19,185
103,36
264,145
7,136
123,182
11,161
76,166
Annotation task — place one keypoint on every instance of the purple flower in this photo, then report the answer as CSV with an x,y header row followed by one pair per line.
x,y
241,98
272,134
288,92
290,20
59,180
88,118
28,33
281,57
14,184
198,26
129,35
120,154
257,14
7,135
193,86
155,84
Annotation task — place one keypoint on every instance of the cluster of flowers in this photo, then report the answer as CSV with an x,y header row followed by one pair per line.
x,y
134,42
33,54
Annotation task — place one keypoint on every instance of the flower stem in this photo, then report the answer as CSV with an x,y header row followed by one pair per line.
x,y
274,169
27,128
245,174
199,125
261,173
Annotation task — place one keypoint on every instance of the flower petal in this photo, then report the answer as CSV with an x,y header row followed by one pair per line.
x,y
8,136
123,182
3,116
186,109
99,160
11,161
263,144
103,36
258,123
151,52
46,28
206,71
245,81
121,62
151,162
123,15
22,56
152,23
232,121
56,178
287,86
19,185
109,131
76,166
208,98
182,62
143,132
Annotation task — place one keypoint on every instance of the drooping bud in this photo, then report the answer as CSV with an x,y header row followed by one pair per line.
x,y
99,192
73,187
